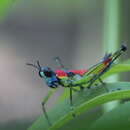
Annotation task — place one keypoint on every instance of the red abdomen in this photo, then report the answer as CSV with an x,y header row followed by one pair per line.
x,y
62,73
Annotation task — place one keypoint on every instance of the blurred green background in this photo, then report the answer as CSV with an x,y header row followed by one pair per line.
x,y
75,30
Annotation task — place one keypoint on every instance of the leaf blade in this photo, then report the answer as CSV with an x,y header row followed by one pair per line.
x,y
62,113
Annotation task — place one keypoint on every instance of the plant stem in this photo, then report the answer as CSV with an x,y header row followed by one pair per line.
x,y
112,36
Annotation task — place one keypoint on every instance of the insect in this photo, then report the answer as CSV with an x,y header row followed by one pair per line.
x,y
74,78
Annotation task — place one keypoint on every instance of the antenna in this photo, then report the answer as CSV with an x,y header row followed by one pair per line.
x,y
38,63
33,65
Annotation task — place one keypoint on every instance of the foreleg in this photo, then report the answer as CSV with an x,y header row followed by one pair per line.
x,y
50,93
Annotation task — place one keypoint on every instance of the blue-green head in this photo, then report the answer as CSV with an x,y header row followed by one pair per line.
x,y
46,72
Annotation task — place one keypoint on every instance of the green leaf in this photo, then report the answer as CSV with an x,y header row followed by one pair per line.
x,y
117,69
117,119
83,102
126,61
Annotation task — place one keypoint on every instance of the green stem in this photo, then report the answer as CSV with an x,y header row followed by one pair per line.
x,y
112,36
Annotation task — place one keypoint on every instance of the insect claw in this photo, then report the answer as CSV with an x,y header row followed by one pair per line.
x,y
89,87
96,84
72,109
74,115
81,88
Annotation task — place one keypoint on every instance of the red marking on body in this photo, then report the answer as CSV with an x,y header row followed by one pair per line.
x,y
62,73
107,61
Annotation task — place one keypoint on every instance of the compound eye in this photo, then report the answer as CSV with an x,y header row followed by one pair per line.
x,y
41,74
48,73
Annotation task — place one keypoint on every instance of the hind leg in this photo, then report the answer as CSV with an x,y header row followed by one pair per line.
x,y
103,83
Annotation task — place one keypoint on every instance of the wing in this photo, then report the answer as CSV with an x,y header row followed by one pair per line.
x,y
100,68
88,76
